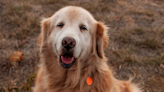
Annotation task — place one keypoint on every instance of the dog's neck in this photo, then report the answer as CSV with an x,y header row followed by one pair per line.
x,y
95,67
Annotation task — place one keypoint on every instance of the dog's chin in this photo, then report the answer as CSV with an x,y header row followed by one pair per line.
x,y
67,61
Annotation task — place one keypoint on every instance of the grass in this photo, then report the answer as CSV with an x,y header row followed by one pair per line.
x,y
140,37
124,56
152,43
138,31
130,57
16,9
27,85
50,2
146,12
17,14
14,12
124,37
155,60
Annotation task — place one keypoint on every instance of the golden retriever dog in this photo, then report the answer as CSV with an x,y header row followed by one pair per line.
x,y
72,55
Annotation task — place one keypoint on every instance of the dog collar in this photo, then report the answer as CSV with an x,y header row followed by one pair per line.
x,y
89,80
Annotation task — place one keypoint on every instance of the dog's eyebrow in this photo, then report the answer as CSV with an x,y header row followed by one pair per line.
x,y
83,25
60,22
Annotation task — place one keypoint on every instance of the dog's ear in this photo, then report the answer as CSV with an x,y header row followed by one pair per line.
x,y
101,39
45,32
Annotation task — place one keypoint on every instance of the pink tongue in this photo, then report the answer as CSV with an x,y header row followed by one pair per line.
x,y
67,59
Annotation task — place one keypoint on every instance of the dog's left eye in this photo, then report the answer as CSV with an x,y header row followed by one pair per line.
x,y
82,27
60,25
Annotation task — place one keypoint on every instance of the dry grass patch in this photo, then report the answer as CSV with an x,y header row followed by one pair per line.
x,y
158,81
48,2
157,60
19,17
146,12
123,56
14,12
141,37
29,83
152,43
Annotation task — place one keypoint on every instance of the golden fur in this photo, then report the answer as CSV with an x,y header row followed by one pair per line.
x,y
51,77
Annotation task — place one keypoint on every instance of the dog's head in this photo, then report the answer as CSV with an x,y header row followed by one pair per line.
x,y
73,34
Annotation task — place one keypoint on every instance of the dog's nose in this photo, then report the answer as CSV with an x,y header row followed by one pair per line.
x,y
68,42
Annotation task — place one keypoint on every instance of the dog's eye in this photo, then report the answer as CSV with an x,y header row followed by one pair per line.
x,y
60,25
82,27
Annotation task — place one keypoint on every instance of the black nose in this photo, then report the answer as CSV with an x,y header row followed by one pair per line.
x,y
68,42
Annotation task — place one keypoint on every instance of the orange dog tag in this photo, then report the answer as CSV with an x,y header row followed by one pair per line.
x,y
89,80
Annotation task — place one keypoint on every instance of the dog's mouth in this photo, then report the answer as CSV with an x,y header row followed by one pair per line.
x,y
67,60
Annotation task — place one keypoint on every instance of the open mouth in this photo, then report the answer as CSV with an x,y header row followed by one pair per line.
x,y
67,61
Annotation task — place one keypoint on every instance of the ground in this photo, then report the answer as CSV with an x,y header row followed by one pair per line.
x,y
136,45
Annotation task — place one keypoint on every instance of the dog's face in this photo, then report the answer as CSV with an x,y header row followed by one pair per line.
x,y
73,34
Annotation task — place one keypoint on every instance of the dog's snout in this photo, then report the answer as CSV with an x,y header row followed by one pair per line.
x,y
68,42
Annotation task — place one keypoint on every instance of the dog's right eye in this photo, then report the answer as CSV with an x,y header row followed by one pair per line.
x,y
60,25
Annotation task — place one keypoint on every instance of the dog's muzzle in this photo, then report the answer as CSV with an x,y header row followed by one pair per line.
x,y
67,59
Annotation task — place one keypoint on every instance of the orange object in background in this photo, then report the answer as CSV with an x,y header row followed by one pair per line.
x,y
17,56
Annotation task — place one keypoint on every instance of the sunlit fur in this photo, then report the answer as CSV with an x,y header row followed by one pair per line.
x,y
89,51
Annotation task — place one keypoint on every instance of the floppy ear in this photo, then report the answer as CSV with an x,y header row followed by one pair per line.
x,y
45,32
101,39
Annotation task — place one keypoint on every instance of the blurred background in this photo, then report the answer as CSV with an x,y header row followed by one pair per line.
x,y
136,45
